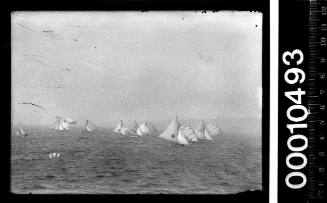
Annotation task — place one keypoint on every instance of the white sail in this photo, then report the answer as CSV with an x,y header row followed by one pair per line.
x,y
171,132
206,135
139,132
213,130
123,131
60,124
200,132
65,124
145,129
54,125
60,127
89,126
189,133
22,132
133,128
118,127
181,138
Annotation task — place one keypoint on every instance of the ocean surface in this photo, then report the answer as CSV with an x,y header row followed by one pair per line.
x,y
105,162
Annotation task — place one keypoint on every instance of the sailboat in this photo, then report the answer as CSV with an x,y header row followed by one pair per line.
x,y
173,133
89,126
60,124
202,132
120,128
189,133
21,132
132,129
146,128
213,130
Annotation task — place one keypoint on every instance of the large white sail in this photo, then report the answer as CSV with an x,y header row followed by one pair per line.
x,y
181,138
213,130
171,132
189,133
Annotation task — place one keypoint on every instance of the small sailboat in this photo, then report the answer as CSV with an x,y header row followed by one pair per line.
x,y
202,132
132,129
21,132
173,133
189,133
213,130
146,128
139,132
89,126
60,124
206,132
120,128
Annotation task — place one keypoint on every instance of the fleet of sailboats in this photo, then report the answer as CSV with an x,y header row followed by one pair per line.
x,y
185,134
182,134
145,128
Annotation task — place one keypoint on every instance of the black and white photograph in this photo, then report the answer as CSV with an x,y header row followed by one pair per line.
x,y
132,102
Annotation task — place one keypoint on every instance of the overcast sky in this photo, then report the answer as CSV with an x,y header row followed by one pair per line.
x,y
107,66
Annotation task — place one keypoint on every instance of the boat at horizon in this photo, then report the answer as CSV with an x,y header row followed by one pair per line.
x,y
174,134
21,132
88,127
120,129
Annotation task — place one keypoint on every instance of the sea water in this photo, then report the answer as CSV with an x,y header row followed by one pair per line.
x,y
105,162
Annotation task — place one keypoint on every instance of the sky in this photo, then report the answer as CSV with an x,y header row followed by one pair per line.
x,y
108,66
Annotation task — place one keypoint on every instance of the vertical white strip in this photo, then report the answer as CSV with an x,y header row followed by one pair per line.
x,y
273,122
